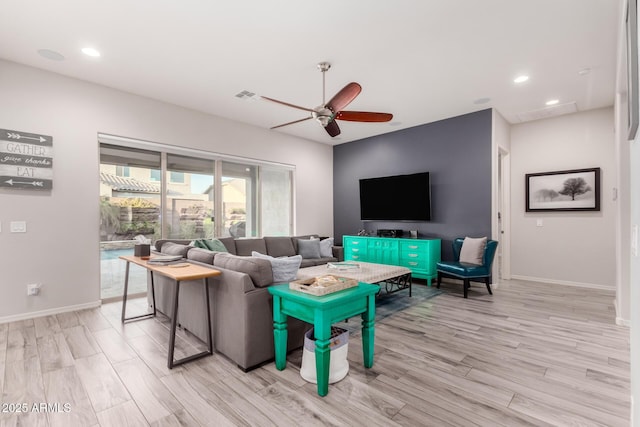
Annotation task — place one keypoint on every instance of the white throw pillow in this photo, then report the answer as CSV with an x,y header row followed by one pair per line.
x,y
285,269
326,246
472,250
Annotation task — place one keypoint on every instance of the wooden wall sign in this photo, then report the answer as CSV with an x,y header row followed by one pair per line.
x,y
26,160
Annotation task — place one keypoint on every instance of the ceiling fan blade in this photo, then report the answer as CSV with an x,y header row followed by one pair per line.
x,y
344,97
363,116
332,128
287,104
290,123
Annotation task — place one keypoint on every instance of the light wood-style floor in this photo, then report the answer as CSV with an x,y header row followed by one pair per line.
x,y
531,354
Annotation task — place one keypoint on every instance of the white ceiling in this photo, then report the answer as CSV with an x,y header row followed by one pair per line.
x,y
420,60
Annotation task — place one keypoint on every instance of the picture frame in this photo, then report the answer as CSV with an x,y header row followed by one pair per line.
x,y
569,190
633,107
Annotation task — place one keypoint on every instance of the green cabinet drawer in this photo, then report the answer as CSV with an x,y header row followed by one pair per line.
x,y
355,248
414,255
412,246
414,264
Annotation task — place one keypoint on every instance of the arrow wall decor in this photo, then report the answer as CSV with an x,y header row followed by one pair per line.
x,y
26,160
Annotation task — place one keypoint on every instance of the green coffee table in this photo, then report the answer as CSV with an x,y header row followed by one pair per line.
x,y
322,312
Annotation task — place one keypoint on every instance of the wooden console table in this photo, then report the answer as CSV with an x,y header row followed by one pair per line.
x,y
322,312
179,274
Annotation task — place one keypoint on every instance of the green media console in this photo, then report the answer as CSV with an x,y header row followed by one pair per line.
x,y
419,255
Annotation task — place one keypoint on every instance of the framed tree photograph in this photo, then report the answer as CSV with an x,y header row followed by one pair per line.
x,y
571,190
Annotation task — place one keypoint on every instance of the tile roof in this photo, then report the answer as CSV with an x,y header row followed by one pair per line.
x,y
120,183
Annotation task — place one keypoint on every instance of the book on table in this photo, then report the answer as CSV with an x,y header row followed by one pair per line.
x,y
345,265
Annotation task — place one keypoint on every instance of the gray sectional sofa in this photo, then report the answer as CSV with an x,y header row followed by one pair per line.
x,y
241,306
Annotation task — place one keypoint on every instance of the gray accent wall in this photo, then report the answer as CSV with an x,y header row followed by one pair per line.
x,y
456,152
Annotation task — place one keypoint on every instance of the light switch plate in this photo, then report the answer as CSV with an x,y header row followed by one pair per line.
x,y
18,226
539,223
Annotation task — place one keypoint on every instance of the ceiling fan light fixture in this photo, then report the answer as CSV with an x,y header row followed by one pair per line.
x,y
323,120
328,113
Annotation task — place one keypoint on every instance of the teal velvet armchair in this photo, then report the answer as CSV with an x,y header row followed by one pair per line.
x,y
465,271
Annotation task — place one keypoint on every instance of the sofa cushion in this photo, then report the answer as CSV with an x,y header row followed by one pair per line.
x,y
309,249
284,269
473,250
201,255
211,244
258,269
229,243
170,248
326,247
279,246
244,247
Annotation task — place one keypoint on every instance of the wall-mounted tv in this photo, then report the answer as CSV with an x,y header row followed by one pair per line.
x,y
396,198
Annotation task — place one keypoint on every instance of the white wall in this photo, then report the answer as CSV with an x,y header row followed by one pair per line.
x,y
61,246
571,247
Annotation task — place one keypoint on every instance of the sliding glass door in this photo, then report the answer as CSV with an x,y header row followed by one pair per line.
x,y
158,191
130,206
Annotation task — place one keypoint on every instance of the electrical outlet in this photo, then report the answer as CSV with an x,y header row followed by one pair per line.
x,y
18,226
33,289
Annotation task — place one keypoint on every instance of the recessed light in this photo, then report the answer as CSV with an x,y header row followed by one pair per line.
x,y
552,102
50,54
521,79
89,51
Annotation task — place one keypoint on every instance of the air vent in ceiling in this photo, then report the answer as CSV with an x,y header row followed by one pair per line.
x,y
545,113
245,94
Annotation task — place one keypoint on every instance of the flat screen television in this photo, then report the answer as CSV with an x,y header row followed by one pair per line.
x,y
396,198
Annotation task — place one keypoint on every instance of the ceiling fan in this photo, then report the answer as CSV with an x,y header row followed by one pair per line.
x,y
327,113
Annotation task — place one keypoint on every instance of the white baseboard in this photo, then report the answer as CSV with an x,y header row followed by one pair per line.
x,y
619,320
563,282
623,322
32,314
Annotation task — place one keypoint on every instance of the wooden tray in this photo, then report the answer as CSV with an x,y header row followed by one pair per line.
x,y
310,286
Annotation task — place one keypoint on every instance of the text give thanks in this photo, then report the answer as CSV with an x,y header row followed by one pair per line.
x,y
26,160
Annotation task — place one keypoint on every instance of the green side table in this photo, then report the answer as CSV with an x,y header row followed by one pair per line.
x,y
322,312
